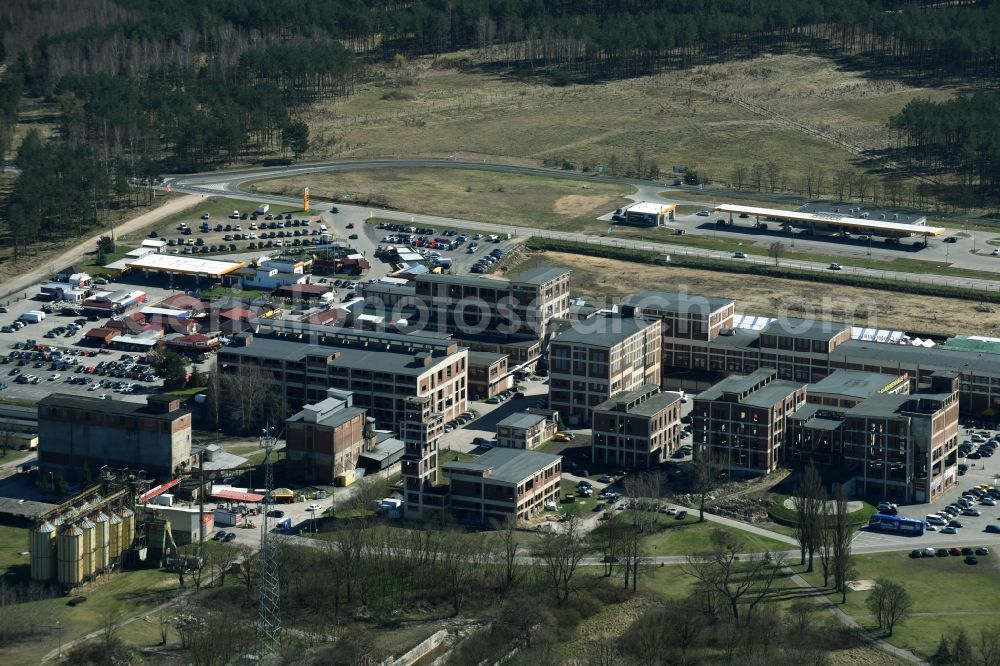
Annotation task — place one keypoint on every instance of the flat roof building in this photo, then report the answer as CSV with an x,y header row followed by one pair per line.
x,y
638,428
503,484
326,439
598,358
739,423
79,432
525,430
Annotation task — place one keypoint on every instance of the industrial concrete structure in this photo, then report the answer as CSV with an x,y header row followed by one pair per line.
x,y
488,374
325,440
77,433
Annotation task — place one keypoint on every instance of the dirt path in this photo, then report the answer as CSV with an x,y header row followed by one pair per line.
x,y
25,280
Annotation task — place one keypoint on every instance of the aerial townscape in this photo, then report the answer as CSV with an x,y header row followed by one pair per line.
x,y
473,333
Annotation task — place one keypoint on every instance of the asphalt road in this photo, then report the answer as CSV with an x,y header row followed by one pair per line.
x,y
968,252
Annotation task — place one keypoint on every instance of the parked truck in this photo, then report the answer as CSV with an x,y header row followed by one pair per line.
x,y
32,316
263,208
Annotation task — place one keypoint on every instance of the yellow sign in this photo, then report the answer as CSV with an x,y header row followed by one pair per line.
x,y
305,200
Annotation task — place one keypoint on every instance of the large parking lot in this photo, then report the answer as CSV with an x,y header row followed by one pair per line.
x,y
61,363
982,470
267,232
459,251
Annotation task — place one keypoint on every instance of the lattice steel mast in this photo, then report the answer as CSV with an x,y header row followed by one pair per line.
x,y
269,611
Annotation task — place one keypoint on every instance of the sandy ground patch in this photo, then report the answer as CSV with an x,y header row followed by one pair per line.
x,y
861,585
574,204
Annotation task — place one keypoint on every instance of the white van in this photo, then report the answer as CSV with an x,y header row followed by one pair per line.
x,y
322,227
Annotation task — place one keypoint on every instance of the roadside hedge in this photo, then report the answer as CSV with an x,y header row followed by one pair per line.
x,y
706,263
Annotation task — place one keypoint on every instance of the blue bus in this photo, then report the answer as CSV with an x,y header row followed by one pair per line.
x,y
881,522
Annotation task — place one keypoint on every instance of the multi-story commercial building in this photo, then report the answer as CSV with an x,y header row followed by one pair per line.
x,y
895,445
466,304
511,317
525,430
406,383
739,424
598,358
502,484
638,428
78,435
846,388
702,344
325,440
488,375
382,370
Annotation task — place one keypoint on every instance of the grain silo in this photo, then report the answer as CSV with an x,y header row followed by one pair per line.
x,y
43,552
128,528
87,547
101,541
70,556
115,546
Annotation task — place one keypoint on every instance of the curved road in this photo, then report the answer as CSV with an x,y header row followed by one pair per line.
x,y
231,184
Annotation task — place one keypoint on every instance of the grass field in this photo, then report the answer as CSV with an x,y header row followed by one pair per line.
x,y
604,281
684,537
947,595
483,196
797,110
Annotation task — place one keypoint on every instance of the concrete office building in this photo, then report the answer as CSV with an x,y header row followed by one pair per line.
x,y
598,358
897,446
739,424
846,388
77,433
525,430
639,428
503,484
324,441
409,384
488,375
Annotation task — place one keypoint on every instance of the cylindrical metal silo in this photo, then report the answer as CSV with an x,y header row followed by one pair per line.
x,y
128,528
69,549
101,541
43,552
87,546
115,546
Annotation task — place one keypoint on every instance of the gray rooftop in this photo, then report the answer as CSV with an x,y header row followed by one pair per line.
x,y
385,449
521,420
602,331
509,466
772,394
676,301
326,335
119,407
813,329
374,357
736,384
768,395
879,406
540,275
221,460
908,357
465,280
482,358
853,383
653,401
333,419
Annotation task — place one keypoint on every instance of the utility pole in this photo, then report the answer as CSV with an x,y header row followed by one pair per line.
x,y
201,498
269,611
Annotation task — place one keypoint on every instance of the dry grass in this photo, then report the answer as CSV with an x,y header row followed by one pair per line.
x,y
597,279
797,110
484,196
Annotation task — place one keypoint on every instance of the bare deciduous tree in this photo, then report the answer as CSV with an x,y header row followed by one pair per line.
x,y
808,497
890,603
841,541
742,580
776,250
560,551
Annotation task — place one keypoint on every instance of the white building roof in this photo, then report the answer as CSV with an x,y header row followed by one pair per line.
x,y
648,208
155,244
833,219
172,263
140,252
167,312
409,255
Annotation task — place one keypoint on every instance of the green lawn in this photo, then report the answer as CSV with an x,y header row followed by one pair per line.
x,y
13,541
947,594
684,537
125,593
